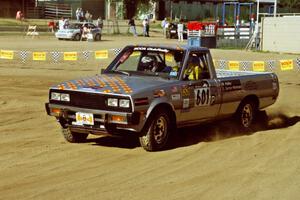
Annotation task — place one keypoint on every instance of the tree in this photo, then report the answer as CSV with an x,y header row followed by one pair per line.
x,y
290,4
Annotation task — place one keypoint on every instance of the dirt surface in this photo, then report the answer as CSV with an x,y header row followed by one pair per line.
x,y
208,162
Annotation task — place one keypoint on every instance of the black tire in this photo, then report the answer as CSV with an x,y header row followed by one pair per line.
x,y
246,114
60,39
97,37
73,137
156,133
77,37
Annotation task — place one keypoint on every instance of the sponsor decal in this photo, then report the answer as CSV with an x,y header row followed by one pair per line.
x,y
39,56
151,49
174,89
185,91
169,57
258,66
175,97
159,93
141,101
286,65
186,103
231,85
101,54
234,65
250,85
202,97
72,56
5,54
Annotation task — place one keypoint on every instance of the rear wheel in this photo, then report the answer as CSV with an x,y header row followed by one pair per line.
x,y
97,37
245,115
73,137
156,133
77,37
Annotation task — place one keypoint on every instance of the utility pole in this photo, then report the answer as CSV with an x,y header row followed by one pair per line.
x,y
275,8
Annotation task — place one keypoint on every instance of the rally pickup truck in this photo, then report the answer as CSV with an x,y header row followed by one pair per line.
x,y
151,90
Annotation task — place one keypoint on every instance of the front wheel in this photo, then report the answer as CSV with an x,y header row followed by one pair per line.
x,y
97,37
73,137
156,133
77,37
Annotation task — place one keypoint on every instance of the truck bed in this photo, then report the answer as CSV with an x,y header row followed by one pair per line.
x,y
222,73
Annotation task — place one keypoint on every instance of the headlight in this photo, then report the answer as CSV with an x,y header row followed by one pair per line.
x,y
124,103
60,96
65,97
55,96
112,102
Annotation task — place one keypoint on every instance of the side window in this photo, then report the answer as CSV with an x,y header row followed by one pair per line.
x,y
197,67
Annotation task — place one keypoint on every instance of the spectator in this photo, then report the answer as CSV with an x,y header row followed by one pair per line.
x,y
66,23
100,22
146,27
19,16
61,23
78,13
165,25
180,31
88,16
51,26
85,31
132,27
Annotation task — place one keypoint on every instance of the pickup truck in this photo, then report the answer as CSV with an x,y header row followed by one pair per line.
x,y
151,90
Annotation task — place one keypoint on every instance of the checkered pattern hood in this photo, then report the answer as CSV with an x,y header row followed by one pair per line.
x,y
112,84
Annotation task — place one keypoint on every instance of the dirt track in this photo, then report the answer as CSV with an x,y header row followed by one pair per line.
x,y
210,162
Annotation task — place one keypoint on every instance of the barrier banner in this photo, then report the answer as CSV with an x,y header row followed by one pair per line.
x,y
23,56
222,64
245,65
39,56
55,56
71,56
117,51
234,65
298,63
135,53
103,54
286,65
86,55
6,54
258,66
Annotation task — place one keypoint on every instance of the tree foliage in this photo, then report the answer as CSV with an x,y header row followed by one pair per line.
x,y
291,4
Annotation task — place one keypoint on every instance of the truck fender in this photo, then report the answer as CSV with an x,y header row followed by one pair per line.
x,y
163,101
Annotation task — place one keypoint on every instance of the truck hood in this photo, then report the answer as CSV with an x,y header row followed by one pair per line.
x,y
111,83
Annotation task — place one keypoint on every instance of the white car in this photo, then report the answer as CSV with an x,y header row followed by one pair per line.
x,y
74,32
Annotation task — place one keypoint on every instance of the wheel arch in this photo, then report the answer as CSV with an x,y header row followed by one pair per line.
x,y
159,107
253,98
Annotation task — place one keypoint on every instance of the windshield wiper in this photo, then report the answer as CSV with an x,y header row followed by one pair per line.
x,y
121,72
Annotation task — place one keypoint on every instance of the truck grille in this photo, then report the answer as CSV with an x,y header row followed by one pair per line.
x,y
89,101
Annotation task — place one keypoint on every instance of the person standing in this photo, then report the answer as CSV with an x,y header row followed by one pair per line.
x,y
100,22
146,27
164,25
132,27
78,14
61,24
180,31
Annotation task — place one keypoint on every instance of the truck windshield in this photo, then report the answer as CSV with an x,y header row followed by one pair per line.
x,y
150,62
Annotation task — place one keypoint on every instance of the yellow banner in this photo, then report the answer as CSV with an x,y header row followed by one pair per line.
x,y
70,55
39,56
258,66
234,65
101,54
286,65
169,57
5,54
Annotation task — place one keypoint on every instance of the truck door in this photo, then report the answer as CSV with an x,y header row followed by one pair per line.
x,y
204,98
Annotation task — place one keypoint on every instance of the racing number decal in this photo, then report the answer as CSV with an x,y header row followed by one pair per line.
x,y
202,96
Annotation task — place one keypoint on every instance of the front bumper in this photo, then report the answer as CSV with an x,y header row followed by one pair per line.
x,y
103,119
64,35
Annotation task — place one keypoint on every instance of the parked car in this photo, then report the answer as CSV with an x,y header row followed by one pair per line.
x,y
172,31
150,90
75,31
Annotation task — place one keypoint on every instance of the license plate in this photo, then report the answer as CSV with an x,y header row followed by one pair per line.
x,y
84,118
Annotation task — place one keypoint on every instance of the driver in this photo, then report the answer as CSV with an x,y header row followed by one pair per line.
x,y
149,63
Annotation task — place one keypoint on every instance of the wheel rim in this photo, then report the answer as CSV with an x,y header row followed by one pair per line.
x,y
247,115
160,130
